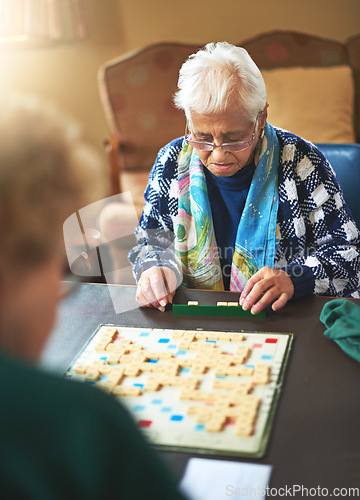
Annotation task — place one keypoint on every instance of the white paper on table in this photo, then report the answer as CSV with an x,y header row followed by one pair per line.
x,y
221,479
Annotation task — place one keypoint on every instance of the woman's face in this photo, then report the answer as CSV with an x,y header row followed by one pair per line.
x,y
230,125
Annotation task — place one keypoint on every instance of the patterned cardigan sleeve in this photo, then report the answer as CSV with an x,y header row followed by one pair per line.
x,y
319,242
155,231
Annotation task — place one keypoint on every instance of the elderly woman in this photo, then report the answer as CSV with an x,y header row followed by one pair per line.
x,y
238,204
58,438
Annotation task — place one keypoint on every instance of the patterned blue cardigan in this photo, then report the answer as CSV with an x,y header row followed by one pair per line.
x,y
319,244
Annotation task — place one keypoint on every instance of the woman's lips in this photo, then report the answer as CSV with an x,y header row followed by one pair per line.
x,y
219,166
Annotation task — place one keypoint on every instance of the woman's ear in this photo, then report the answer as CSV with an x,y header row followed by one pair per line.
x,y
263,115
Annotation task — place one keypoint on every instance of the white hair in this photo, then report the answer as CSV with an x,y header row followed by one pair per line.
x,y
212,78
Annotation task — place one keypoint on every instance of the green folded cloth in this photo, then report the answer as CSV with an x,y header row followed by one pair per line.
x,y
342,319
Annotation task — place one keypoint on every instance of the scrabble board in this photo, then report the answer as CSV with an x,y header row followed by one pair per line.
x,y
195,390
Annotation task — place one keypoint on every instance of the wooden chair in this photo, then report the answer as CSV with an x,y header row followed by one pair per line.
x,y
137,95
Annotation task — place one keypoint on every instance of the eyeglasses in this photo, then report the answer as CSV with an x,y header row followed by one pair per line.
x,y
230,147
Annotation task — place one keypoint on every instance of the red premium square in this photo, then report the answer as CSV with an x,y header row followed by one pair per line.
x,y
144,423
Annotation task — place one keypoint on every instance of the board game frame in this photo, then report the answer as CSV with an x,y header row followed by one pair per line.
x,y
199,449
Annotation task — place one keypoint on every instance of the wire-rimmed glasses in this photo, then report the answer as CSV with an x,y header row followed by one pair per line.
x,y
230,147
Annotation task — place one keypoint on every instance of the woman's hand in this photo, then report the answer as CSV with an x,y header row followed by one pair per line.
x,y
272,285
156,287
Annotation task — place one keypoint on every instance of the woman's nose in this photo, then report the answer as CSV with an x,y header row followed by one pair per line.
x,y
218,153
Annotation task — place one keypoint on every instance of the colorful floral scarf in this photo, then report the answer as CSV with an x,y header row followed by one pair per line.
x,y
256,242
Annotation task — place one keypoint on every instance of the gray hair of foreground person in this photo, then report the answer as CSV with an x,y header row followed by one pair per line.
x,y
218,75
47,171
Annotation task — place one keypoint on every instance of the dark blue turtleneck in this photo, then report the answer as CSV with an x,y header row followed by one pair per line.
x,y
227,196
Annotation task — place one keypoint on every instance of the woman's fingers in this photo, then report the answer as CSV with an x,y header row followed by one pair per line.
x,y
156,287
267,286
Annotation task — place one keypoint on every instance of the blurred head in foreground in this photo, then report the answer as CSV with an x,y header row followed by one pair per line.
x,y
46,169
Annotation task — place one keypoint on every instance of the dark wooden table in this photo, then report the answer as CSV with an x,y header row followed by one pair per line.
x,y
315,439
